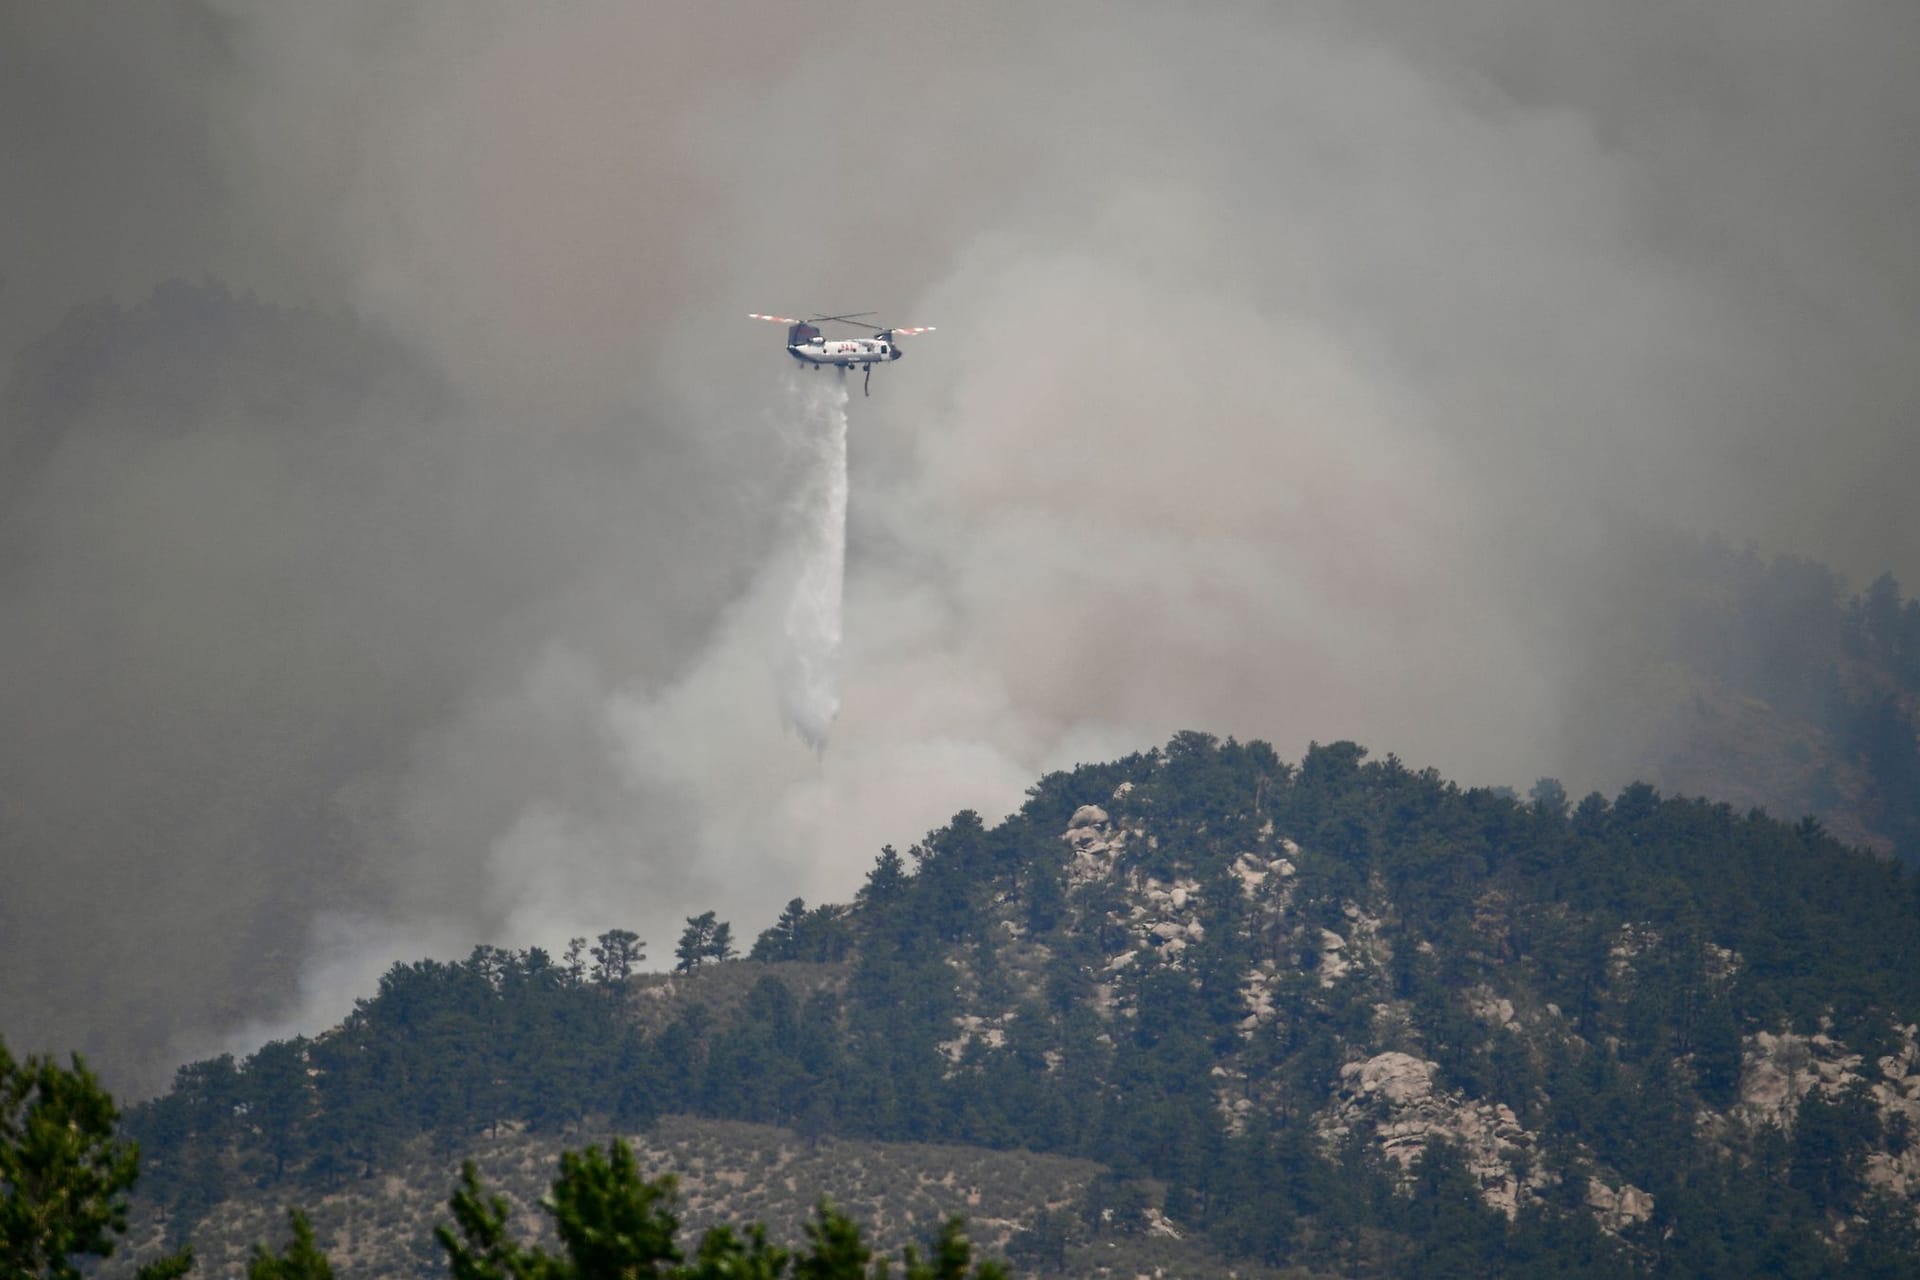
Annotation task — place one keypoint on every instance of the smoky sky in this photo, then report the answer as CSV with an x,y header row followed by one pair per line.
x,y
409,577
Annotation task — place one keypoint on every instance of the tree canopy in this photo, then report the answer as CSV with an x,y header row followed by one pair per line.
x,y
612,1222
64,1171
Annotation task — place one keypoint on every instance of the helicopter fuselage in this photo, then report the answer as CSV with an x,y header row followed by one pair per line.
x,y
846,353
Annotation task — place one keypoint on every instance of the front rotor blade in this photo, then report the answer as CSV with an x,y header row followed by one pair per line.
x,y
755,315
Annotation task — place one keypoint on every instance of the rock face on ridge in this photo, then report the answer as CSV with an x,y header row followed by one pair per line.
x,y
1393,1097
1782,1071
1387,1091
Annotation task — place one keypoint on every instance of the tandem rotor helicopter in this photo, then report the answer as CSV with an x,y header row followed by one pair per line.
x,y
805,344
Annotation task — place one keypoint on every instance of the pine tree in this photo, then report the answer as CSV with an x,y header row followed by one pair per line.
x,y
612,1222
574,965
696,942
782,941
886,883
64,1172
303,1259
615,954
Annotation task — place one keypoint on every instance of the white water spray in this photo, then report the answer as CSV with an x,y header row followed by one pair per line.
x,y
808,669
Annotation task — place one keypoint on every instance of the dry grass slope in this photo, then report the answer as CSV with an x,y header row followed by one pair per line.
x,y
727,1171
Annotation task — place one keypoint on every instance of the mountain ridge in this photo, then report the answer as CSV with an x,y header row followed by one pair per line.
x,y
1296,1012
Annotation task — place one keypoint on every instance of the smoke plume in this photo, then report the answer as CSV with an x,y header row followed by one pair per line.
x,y
420,549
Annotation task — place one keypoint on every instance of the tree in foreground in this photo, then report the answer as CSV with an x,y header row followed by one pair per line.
x,y
64,1172
301,1260
614,1223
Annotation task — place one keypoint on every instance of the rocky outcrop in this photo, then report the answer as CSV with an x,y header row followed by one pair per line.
x,y
1722,962
1617,1208
1159,1224
1253,872
990,1032
1492,1008
1626,948
1334,956
1088,815
1393,1097
1331,949
1095,843
1780,1069
1898,1094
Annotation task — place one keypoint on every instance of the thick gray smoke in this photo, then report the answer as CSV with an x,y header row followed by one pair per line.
x,y
1302,372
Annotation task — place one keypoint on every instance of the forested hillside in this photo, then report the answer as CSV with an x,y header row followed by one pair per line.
x,y
1341,1015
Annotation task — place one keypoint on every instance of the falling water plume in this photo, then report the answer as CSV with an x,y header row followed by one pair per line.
x,y
808,667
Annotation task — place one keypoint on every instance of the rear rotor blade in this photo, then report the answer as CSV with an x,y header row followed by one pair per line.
x,y
925,328
755,315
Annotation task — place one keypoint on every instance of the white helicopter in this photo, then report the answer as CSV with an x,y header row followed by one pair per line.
x,y
805,344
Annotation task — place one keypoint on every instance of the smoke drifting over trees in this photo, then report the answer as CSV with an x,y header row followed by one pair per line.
x,y
1304,374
